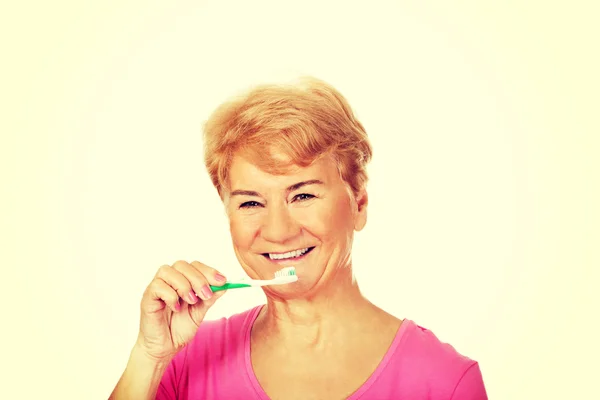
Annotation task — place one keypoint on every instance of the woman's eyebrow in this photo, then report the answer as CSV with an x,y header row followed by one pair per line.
x,y
295,186
298,185
245,193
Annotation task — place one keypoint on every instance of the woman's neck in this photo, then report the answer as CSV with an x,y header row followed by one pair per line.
x,y
316,321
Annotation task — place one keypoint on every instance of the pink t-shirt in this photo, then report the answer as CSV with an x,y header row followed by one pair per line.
x,y
216,365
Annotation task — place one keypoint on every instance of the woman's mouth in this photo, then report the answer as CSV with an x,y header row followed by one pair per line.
x,y
294,255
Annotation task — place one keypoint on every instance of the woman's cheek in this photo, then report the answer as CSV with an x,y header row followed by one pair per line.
x,y
336,217
240,232
313,219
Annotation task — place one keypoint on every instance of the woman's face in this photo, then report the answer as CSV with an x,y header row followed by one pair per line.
x,y
305,219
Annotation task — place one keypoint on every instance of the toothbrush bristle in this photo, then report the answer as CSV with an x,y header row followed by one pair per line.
x,y
289,271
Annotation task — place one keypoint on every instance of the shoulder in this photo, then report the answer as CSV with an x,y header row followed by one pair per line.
x,y
422,344
216,342
220,333
437,365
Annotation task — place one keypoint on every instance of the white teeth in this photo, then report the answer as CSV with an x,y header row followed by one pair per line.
x,y
291,254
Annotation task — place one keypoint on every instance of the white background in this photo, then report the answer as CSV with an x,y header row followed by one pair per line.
x,y
483,216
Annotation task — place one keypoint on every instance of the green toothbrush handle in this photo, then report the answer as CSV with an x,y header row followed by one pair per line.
x,y
228,286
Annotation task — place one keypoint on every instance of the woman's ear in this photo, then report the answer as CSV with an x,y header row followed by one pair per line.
x,y
360,219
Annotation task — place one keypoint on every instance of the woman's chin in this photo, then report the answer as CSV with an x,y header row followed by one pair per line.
x,y
289,290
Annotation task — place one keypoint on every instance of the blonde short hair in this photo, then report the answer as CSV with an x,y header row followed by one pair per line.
x,y
303,121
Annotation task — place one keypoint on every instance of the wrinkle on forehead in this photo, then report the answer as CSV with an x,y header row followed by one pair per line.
x,y
244,171
249,176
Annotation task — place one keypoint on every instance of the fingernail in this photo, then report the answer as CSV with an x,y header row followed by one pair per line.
x,y
178,306
192,296
206,292
220,278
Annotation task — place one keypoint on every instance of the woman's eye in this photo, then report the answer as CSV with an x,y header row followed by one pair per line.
x,y
303,196
250,204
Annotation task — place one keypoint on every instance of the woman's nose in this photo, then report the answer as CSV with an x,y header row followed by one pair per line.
x,y
279,226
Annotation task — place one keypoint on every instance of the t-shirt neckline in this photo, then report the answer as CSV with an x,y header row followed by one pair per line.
x,y
404,326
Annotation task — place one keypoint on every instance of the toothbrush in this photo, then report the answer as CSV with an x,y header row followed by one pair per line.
x,y
283,276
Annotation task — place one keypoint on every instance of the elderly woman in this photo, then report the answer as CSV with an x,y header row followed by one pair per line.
x,y
289,165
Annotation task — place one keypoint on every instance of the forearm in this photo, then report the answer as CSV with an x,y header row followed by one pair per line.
x,y
141,377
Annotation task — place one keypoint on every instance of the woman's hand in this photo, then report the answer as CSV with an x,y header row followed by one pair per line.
x,y
171,310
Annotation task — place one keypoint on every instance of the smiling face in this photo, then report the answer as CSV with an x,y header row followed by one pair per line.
x,y
305,219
